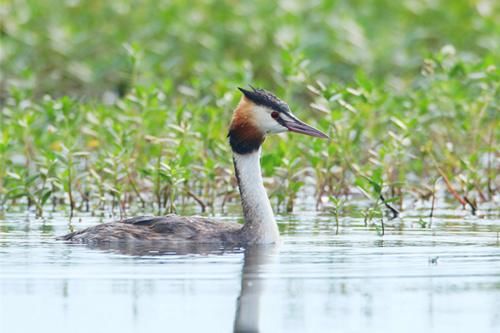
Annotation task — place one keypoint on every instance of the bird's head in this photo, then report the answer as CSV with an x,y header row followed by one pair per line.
x,y
260,113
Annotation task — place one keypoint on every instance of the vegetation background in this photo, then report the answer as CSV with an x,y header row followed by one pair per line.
x,y
118,104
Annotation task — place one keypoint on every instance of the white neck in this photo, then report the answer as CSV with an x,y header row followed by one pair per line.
x,y
260,226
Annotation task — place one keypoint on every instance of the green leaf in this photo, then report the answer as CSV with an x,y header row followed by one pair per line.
x,y
45,197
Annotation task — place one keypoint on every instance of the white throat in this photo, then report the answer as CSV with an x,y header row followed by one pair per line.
x,y
260,226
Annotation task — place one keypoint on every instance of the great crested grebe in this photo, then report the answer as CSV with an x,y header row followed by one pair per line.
x,y
258,114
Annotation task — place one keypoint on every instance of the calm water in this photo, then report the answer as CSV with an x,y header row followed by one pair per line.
x,y
444,279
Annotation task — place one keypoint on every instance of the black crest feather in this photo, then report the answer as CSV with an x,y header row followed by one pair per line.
x,y
265,98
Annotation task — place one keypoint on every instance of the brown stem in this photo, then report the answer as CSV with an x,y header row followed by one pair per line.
x,y
433,202
134,188
488,169
394,211
70,190
450,187
472,205
198,200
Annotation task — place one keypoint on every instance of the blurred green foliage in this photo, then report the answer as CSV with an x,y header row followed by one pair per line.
x,y
83,48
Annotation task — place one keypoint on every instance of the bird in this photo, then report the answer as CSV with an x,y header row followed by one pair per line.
x,y
258,114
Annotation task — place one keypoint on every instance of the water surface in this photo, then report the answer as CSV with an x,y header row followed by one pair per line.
x,y
413,279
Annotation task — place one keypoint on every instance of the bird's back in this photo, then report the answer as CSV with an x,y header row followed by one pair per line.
x,y
170,228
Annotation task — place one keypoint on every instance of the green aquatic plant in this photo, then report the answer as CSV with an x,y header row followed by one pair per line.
x,y
163,147
337,210
372,187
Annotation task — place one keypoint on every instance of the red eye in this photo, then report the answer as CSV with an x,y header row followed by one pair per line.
x,y
275,114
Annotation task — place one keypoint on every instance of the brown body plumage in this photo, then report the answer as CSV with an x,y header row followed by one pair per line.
x,y
170,228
